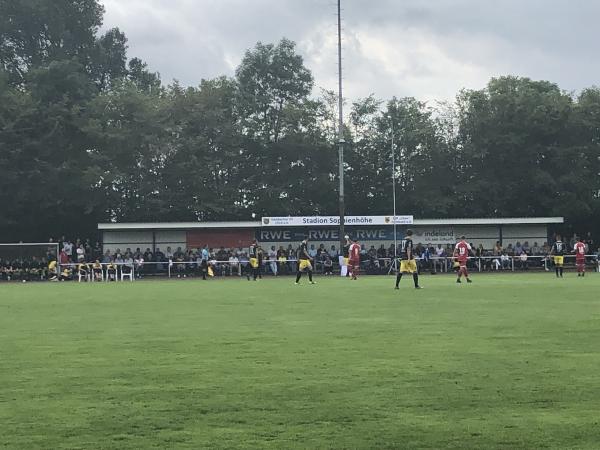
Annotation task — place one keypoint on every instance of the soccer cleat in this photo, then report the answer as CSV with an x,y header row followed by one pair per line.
x,y
296,283
458,281
469,280
313,282
396,287
418,287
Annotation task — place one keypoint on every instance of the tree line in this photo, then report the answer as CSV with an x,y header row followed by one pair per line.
x,y
89,135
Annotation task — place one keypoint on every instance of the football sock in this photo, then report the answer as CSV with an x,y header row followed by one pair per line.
x,y
298,276
561,271
310,276
556,270
416,279
398,278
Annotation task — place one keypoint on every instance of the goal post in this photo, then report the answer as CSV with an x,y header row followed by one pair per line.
x,y
27,259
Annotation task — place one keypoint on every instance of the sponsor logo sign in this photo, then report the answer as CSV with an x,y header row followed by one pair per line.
x,y
334,220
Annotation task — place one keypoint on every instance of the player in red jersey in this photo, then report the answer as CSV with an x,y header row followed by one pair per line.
x,y
462,251
354,258
579,250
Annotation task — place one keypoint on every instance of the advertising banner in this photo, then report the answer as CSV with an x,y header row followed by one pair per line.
x,y
434,235
318,235
324,221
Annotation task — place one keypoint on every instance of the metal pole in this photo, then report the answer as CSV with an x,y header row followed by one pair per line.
x,y
394,188
341,131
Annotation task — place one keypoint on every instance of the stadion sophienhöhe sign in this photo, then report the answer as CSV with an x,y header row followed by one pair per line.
x,y
334,221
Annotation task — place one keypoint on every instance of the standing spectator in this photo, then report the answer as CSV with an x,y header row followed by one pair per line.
x,y
292,259
80,254
273,260
281,260
68,249
97,251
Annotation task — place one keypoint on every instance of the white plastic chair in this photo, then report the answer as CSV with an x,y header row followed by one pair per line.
x,y
81,276
127,275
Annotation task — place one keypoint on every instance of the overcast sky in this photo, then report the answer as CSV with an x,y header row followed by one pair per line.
x,y
429,49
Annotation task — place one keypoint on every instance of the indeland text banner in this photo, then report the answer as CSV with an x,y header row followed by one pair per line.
x,y
434,235
325,221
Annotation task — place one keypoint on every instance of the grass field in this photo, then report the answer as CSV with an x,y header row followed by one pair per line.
x,y
507,362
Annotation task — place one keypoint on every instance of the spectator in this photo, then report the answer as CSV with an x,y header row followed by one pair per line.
x,y
312,252
328,266
281,260
505,260
273,260
523,260
234,265
333,253
68,249
292,260
518,249
498,249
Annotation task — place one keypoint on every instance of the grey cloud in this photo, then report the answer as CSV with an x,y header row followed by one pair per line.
x,y
428,49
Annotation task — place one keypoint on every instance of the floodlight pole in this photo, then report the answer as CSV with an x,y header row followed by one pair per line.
x,y
394,186
341,131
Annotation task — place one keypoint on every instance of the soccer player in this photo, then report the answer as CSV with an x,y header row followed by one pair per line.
x,y
558,251
304,262
407,263
462,251
354,259
579,251
344,255
254,265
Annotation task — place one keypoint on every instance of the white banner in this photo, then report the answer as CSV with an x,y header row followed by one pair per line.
x,y
335,220
434,235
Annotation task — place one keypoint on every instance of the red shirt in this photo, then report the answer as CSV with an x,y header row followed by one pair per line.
x,y
579,251
354,252
462,251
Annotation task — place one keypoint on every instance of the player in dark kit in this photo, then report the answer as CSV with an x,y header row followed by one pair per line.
x,y
304,262
254,263
407,262
558,251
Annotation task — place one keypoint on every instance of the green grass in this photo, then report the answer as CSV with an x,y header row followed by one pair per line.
x,y
507,362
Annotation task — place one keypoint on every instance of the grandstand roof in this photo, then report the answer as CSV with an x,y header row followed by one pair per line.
x,y
258,224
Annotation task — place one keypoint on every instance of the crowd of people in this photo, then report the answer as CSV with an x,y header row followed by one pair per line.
x,y
81,257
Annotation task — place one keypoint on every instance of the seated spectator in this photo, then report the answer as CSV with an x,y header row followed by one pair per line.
x,y
523,264
333,253
505,260
234,265
97,270
328,266
127,264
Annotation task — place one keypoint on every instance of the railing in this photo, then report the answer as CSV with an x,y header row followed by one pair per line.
x,y
434,264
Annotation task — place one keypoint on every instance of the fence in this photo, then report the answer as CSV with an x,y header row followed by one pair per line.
x,y
380,266
434,264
